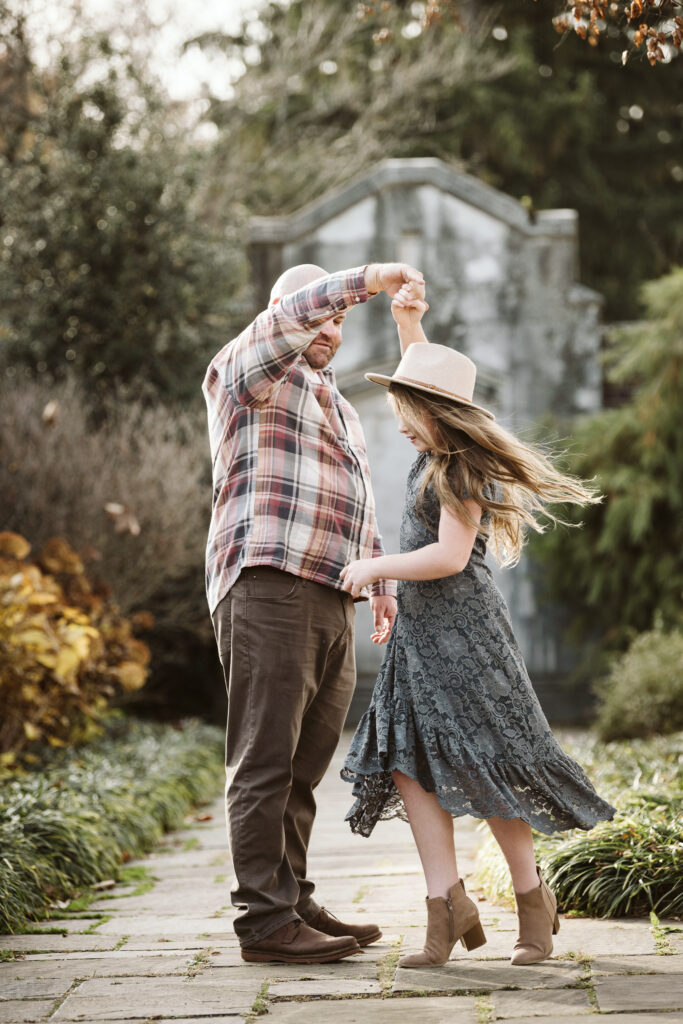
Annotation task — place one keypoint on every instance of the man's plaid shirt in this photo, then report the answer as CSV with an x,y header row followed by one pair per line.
x,y
291,483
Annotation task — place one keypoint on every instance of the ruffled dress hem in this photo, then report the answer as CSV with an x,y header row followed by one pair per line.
x,y
552,794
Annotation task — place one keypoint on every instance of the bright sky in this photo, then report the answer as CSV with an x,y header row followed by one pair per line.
x,y
178,20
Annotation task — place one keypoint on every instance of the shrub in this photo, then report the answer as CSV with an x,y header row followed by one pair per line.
x,y
643,694
64,650
76,820
129,489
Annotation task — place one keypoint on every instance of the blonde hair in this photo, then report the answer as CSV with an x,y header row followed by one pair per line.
x,y
471,454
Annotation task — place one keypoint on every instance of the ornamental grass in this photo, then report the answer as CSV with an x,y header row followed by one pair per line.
x,y
76,820
630,866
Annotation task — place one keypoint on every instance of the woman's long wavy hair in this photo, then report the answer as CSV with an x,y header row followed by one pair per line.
x,y
471,454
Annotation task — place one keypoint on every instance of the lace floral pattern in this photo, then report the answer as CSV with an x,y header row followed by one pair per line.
x,y
453,706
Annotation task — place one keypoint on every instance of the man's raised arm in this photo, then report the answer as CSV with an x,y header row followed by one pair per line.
x,y
254,363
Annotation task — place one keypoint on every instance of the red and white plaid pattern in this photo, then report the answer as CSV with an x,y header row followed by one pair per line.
x,y
291,483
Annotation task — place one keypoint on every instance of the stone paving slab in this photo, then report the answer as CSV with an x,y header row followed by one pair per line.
x,y
58,943
622,1018
34,988
36,970
220,1019
596,937
177,864
122,999
637,965
187,903
327,987
111,956
67,924
430,1010
540,1003
674,934
15,1011
159,942
485,976
642,992
166,926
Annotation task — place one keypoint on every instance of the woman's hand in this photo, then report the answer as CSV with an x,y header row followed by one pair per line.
x,y
357,575
409,306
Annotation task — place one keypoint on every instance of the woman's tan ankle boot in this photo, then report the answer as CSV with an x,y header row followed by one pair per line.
x,y
538,922
448,919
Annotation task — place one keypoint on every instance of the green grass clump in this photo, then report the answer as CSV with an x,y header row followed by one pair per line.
x,y
76,819
632,865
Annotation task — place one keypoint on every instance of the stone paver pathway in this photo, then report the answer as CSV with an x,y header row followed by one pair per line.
x,y
164,950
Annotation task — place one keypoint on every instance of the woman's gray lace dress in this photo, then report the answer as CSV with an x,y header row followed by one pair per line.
x,y
453,706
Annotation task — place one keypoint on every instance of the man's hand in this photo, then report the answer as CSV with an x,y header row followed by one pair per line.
x,y
390,277
384,613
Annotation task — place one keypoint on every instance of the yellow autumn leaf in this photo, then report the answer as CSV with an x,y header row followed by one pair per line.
x,y
30,692
131,675
57,556
33,638
55,741
79,642
32,732
13,545
138,651
67,665
47,660
43,598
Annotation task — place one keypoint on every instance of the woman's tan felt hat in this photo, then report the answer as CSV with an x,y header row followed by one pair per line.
x,y
436,370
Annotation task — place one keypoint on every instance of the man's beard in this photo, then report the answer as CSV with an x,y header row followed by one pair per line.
x,y
318,360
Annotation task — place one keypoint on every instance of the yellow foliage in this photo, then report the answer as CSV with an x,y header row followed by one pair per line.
x,y
131,675
64,651
14,545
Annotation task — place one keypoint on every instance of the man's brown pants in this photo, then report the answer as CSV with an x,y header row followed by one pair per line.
x,y
286,646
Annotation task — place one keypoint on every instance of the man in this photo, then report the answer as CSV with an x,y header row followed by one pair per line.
x,y
292,505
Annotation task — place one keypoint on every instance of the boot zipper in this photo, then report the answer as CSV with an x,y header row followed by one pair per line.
x,y
451,921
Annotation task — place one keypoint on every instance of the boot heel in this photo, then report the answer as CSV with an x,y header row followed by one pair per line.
x,y
556,925
474,938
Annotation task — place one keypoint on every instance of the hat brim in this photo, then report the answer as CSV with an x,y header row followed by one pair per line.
x,y
384,381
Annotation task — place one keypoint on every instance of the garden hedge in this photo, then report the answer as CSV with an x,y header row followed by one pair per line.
x,y
76,820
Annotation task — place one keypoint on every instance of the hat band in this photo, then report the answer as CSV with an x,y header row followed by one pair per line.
x,y
432,387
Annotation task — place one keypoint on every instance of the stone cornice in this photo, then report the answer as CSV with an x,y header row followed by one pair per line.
x,y
412,172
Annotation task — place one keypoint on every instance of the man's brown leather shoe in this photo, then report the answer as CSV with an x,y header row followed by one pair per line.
x,y
298,943
364,934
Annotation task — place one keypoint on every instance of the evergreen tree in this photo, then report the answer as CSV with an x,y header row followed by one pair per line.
x,y
106,266
622,572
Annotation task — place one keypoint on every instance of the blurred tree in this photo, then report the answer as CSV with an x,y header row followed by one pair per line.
x,y
324,94
622,573
656,23
105,264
